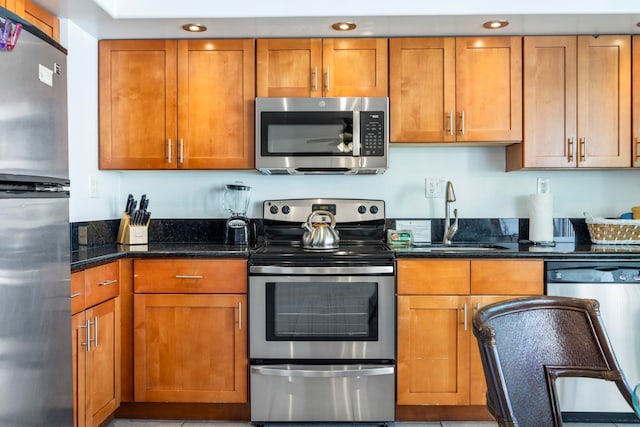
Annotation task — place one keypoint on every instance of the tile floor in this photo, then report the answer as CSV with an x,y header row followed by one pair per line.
x,y
158,423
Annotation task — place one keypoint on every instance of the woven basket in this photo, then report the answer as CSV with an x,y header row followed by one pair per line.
x,y
613,231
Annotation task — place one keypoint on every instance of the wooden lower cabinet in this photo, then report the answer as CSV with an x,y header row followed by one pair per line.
x,y
190,348
96,363
95,322
190,330
438,358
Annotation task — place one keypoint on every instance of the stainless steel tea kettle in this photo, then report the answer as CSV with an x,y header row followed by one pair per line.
x,y
320,235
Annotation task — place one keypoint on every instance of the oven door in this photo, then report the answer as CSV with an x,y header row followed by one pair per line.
x,y
322,317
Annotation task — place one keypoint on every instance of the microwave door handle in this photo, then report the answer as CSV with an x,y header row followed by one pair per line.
x,y
310,372
356,134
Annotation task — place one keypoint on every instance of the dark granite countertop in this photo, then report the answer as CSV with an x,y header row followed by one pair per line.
x,y
201,238
85,257
560,251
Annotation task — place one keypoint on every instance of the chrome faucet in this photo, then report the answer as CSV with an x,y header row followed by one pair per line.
x,y
449,229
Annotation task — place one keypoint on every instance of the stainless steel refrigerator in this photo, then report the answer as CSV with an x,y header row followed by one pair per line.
x,y
35,314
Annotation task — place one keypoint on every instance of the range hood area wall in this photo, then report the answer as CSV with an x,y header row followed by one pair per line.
x,y
483,189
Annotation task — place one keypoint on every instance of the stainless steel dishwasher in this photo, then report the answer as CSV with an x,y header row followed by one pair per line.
x,y
616,286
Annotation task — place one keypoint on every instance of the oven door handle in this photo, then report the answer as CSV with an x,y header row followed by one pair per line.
x,y
321,372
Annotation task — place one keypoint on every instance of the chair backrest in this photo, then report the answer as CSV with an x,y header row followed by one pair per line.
x,y
526,343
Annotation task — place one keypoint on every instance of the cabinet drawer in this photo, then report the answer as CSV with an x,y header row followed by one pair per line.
x,y
101,283
190,276
448,277
77,292
507,277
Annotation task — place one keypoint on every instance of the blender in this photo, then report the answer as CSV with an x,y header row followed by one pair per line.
x,y
236,201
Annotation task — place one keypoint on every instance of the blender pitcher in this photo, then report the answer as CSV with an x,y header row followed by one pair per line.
x,y
235,200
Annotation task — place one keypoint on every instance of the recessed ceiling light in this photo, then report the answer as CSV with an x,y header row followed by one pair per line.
x,y
343,26
494,25
194,28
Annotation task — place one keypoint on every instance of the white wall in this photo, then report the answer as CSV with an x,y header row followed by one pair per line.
x,y
482,187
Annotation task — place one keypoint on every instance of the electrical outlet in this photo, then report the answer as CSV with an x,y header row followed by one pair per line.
x,y
93,187
83,235
434,188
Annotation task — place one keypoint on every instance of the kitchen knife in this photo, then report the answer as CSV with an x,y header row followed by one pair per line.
x,y
129,206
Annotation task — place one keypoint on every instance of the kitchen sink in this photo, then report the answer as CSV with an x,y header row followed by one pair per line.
x,y
460,247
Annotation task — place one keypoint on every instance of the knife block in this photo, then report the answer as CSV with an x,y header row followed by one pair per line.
x,y
132,234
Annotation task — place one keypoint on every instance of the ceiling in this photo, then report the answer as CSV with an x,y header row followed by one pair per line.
x,y
381,18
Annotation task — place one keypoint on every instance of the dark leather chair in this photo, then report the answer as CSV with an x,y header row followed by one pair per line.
x,y
526,343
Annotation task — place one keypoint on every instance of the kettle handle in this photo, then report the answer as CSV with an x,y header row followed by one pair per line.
x,y
321,212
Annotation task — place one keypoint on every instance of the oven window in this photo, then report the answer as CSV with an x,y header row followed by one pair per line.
x,y
318,133
307,311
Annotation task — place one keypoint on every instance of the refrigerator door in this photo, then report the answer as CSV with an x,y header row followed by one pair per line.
x,y
33,112
35,313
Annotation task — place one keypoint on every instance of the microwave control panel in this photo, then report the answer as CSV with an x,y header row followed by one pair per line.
x,y
372,133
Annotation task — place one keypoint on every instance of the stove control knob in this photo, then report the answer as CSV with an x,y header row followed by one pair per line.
x,y
286,209
273,209
362,209
373,209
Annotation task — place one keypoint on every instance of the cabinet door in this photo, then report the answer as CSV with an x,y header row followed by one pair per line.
x,y
216,92
190,348
604,101
489,88
103,362
78,350
355,67
422,89
478,384
138,86
41,18
550,102
636,100
289,67
433,350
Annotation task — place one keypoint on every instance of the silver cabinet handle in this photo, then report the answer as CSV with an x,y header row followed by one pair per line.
x,y
169,151
570,149
450,117
108,282
637,148
314,79
180,276
321,371
462,122
239,315
87,343
464,313
77,294
326,80
95,332
582,149
181,158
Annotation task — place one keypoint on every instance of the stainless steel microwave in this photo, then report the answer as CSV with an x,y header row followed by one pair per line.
x,y
322,135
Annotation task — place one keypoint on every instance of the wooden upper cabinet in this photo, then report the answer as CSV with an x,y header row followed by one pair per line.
x,y
39,17
289,67
322,67
167,104
138,117
422,89
577,105
215,104
465,89
635,90
489,88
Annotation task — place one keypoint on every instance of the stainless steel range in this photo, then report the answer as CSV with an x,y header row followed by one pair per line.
x,y
322,321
